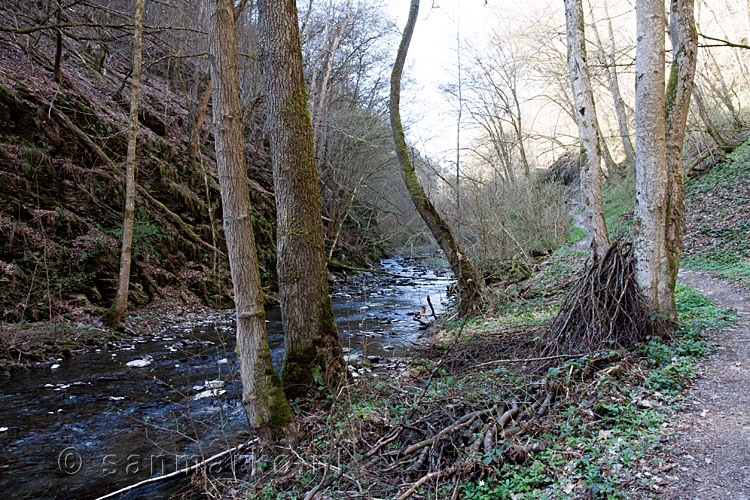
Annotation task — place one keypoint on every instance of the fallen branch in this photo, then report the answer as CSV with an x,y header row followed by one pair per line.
x,y
425,479
464,421
542,358
180,472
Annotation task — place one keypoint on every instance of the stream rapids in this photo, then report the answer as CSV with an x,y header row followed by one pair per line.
x,y
110,418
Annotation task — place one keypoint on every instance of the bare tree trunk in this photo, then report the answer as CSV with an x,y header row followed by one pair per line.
x,y
680,88
115,313
262,394
711,128
460,96
609,162
195,134
58,46
650,145
518,126
203,110
468,285
321,104
588,130
310,332
610,71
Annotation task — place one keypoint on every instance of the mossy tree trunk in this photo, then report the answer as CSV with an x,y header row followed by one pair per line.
x,y
679,90
115,313
262,393
310,335
588,130
468,285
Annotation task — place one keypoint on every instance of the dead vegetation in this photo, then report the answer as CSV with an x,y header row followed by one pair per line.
x,y
423,433
604,310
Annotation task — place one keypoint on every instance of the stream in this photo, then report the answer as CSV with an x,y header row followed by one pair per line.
x,y
94,424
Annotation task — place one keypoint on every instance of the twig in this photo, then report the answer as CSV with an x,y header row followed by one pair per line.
x,y
542,358
424,479
186,470
432,308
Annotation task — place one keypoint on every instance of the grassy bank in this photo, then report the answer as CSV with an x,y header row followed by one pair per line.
x,y
718,229
476,415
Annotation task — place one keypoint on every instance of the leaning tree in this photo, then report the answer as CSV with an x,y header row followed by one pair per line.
x,y
468,285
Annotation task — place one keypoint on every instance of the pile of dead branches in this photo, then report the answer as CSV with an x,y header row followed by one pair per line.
x,y
605,309
445,437
479,346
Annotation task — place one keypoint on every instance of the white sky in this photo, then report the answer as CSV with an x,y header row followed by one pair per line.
x,y
429,113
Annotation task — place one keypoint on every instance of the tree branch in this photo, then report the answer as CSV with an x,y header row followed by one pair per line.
x,y
723,43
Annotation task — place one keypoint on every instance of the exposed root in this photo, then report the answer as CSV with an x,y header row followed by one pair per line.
x,y
604,310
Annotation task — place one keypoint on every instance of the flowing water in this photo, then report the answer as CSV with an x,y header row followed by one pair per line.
x,y
94,424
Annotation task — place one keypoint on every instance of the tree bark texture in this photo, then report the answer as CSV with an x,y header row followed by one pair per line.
x,y
650,145
679,90
262,393
310,335
114,315
588,130
468,286
195,134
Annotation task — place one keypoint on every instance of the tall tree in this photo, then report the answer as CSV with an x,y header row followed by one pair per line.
x,y
468,285
660,131
262,393
114,315
650,146
679,90
310,334
608,61
588,130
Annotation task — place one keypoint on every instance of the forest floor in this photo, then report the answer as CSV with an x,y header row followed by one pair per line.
x,y
712,443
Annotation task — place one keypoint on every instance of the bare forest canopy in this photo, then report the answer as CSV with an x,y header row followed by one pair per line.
x,y
65,69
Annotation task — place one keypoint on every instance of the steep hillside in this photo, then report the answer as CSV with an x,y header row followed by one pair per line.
x,y
718,227
62,147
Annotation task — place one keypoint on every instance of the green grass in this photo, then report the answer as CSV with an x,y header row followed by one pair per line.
x,y
618,194
721,201
725,263
602,436
576,234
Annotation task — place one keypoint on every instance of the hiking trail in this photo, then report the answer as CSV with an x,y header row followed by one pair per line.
x,y
711,445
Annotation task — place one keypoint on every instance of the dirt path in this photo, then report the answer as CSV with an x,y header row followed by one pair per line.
x,y
712,444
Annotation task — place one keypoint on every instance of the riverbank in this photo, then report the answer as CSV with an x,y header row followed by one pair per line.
x,y
170,386
479,414
44,343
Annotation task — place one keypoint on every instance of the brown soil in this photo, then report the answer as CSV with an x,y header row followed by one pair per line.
x,y
711,447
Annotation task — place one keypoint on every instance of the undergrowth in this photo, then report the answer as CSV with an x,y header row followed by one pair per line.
x,y
610,431
718,236
598,434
